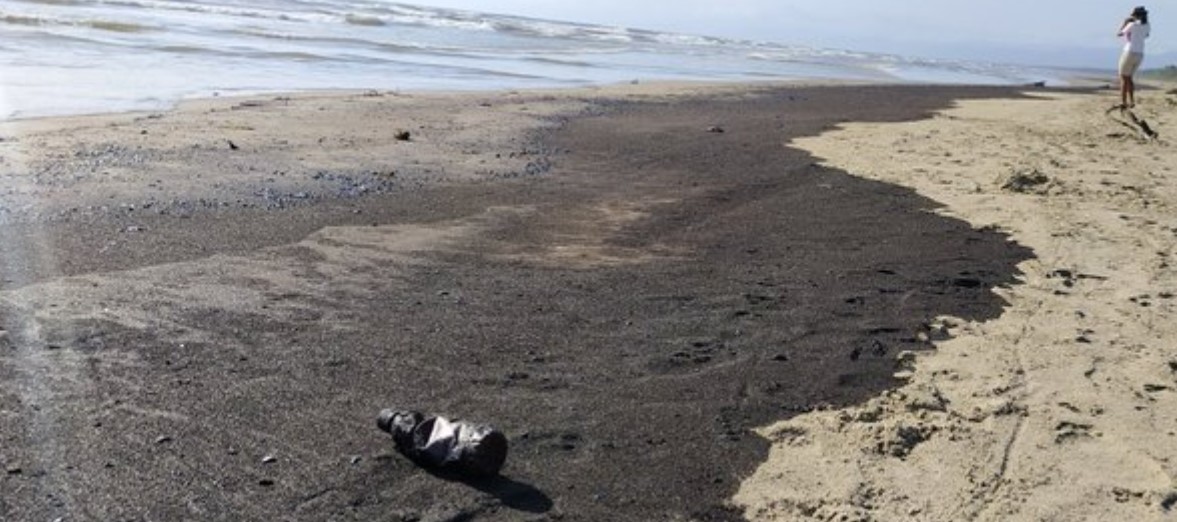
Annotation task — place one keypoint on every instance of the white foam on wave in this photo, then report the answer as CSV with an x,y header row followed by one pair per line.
x,y
38,20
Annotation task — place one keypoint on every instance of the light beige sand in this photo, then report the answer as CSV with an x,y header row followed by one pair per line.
x,y
1065,408
228,149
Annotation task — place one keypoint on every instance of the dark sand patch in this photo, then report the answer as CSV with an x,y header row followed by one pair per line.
x,y
627,319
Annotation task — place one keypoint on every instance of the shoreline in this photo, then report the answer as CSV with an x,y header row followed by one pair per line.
x,y
627,310
618,88
651,87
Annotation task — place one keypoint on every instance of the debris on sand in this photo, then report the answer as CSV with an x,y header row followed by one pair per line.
x,y
1128,119
1026,181
465,448
403,135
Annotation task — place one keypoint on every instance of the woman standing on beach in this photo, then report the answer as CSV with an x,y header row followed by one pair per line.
x,y
1134,31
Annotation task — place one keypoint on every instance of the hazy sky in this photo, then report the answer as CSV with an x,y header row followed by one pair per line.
x,y
1051,32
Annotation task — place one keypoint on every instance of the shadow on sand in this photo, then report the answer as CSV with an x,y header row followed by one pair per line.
x,y
511,493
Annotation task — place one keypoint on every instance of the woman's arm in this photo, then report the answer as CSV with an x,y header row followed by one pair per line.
x,y
1124,27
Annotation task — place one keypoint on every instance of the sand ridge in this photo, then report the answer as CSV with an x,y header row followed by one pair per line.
x,y
1065,407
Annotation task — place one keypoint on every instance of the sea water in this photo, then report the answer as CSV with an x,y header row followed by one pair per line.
x,y
83,56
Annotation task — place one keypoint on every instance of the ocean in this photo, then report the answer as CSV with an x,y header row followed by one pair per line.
x,y
85,56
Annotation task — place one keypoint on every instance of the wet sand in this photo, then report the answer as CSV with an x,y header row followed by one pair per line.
x,y
199,330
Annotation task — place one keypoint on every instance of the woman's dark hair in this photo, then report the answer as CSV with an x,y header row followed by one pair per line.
x,y
1140,13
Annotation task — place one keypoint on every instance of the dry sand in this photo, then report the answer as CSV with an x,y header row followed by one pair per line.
x,y
1064,407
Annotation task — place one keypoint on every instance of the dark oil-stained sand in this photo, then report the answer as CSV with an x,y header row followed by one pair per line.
x,y
626,315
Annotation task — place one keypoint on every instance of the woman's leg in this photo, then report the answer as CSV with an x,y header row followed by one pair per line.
x,y
1125,85
1131,92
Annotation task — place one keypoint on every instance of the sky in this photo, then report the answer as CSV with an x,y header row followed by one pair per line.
x,y
1066,33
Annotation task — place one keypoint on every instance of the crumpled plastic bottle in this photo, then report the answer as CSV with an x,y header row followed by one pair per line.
x,y
465,448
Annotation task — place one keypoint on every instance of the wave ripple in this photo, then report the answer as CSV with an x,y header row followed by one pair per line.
x,y
68,56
